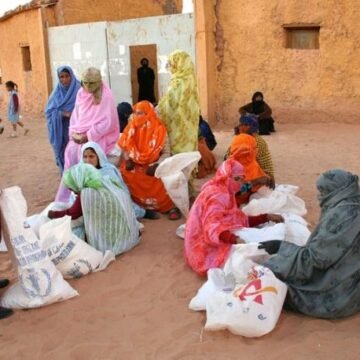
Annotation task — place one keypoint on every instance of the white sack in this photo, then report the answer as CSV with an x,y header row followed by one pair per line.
x,y
251,310
39,282
175,172
280,200
297,231
71,255
268,232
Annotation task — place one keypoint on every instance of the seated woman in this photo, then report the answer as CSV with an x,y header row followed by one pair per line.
x,y
249,125
207,134
259,108
244,150
109,218
124,111
214,214
207,163
94,155
323,276
94,119
145,145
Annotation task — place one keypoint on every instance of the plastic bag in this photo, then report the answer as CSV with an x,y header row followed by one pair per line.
x,y
251,310
280,200
270,231
71,255
39,282
297,231
175,172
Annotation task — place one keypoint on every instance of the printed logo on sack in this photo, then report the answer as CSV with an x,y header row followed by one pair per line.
x,y
247,291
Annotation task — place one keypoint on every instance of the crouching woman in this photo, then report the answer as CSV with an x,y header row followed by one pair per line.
x,y
109,218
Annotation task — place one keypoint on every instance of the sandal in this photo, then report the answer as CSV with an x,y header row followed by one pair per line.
x,y
174,214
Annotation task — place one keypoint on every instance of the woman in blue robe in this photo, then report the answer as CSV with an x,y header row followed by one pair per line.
x,y
58,111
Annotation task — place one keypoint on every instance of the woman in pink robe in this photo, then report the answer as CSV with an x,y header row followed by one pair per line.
x,y
94,118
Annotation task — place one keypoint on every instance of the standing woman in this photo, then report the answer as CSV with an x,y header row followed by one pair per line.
x,y
58,111
179,108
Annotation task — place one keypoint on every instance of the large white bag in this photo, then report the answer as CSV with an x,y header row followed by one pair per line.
x,y
37,220
241,259
280,200
39,282
71,255
297,231
251,310
268,232
175,172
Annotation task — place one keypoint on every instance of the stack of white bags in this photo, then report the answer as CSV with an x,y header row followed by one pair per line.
x,y
244,296
44,256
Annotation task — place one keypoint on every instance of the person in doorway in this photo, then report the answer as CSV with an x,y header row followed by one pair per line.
x,y
58,111
208,232
146,81
109,218
124,111
323,277
262,111
145,145
94,119
14,108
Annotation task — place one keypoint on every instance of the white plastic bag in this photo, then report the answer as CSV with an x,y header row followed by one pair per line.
x,y
175,172
280,200
37,220
251,310
270,231
39,282
71,255
217,280
297,231
180,231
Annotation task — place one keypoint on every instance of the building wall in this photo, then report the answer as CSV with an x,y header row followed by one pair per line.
x,y
24,28
300,85
82,11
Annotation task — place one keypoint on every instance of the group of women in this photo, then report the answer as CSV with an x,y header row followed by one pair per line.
x,y
323,276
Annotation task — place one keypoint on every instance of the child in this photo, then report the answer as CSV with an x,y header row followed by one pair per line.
x,y
14,107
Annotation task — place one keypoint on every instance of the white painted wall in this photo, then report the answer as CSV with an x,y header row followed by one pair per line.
x,y
106,45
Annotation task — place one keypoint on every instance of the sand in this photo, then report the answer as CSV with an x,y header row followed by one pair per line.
x,y
137,308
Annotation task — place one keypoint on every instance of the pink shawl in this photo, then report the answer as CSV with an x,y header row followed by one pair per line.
x,y
214,212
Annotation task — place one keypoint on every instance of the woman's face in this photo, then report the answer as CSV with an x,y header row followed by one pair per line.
x,y
90,157
65,79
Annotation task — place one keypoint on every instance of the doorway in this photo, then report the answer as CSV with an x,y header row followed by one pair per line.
x,y
136,54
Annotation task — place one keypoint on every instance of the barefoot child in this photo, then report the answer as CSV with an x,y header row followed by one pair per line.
x,y
14,108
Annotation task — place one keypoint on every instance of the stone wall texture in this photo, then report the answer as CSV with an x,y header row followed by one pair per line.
x,y
300,85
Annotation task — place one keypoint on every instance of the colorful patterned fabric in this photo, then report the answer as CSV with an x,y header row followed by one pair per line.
x,y
144,137
263,156
143,141
214,212
324,276
179,109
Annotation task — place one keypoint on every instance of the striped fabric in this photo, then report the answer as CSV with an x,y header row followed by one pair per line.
x,y
109,218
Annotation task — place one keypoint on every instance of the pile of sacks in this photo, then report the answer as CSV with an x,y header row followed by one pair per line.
x,y
44,256
245,297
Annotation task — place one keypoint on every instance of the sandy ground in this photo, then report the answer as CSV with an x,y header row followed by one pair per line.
x,y
137,308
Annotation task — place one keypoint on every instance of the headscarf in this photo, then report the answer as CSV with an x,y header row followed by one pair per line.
x,y
179,109
61,99
82,176
323,276
205,131
124,111
144,137
214,212
250,121
258,105
244,150
91,81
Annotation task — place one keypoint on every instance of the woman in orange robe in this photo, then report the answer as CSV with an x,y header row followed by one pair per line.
x,y
244,150
145,144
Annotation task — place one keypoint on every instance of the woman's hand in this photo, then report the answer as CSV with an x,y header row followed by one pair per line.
x,y
79,139
239,240
50,214
271,246
275,218
151,169
264,180
66,114
129,165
